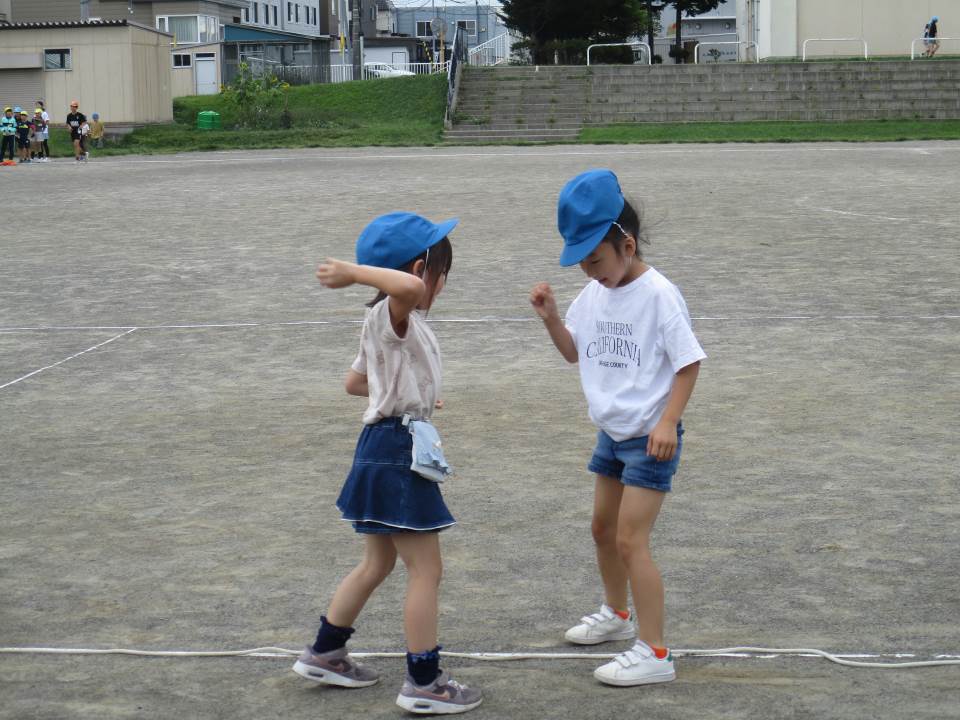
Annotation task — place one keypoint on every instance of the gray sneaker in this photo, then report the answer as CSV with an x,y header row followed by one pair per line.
x,y
441,697
334,668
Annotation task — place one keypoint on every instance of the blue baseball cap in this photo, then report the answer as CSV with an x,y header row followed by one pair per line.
x,y
588,205
393,240
935,19
17,109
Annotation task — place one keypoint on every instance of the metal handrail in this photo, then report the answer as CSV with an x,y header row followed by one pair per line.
x,y
913,43
748,43
866,54
633,44
500,47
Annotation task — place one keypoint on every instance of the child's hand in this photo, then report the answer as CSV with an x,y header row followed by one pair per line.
x,y
335,273
438,405
543,301
662,442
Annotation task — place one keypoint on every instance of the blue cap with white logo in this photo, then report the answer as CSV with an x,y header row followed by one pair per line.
x,y
589,204
393,240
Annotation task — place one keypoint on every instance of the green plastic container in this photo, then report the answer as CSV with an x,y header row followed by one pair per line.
x,y
208,120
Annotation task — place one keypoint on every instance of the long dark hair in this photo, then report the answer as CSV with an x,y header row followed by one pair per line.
x,y
439,260
631,220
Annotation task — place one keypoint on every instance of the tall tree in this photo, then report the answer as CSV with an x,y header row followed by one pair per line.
x,y
548,21
690,7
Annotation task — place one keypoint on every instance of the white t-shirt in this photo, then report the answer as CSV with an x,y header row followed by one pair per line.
x,y
631,342
403,373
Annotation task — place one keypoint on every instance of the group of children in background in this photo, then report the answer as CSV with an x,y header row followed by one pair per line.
x,y
29,135
630,333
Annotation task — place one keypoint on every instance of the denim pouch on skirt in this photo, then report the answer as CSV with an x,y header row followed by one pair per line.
x,y
428,459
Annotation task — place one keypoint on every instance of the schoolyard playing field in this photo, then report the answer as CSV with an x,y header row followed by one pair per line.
x,y
175,430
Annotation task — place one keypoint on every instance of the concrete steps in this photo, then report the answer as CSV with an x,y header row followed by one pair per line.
x,y
550,104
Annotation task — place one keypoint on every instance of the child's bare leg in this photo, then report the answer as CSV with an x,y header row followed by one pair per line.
x,y
420,552
606,508
355,589
638,512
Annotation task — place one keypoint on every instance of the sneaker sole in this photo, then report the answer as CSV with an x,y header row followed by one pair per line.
x,y
423,706
622,635
649,680
327,677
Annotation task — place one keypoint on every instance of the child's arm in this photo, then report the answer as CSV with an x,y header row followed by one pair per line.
x,y
662,442
356,384
545,305
404,290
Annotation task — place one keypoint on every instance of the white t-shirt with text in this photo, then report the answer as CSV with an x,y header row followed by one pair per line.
x,y
631,342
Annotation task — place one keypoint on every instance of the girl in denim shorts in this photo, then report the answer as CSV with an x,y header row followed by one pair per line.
x,y
396,510
630,332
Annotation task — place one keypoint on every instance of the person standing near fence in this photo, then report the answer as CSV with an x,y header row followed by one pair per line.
x,y
930,37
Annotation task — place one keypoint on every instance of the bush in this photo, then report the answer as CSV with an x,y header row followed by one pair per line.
x,y
257,100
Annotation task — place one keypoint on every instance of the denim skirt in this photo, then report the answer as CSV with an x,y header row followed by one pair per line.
x,y
382,494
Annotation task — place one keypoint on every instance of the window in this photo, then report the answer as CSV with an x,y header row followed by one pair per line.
x,y
289,11
333,7
469,27
56,60
191,28
296,12
275,15
246,14
256,12
424,29
182,60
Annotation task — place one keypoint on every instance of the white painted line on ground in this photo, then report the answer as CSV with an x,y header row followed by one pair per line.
x,y
443,321
61,362
804,202
606,150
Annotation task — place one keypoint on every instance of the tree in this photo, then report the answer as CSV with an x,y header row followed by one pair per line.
x,y
690,7
552,24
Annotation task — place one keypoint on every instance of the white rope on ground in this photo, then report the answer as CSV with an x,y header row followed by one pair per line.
x,y
730,652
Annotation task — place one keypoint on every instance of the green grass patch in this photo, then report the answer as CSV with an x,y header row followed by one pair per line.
x,y
390,111
780,131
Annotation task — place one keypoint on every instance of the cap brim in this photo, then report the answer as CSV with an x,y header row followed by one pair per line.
x,y
443,229
572,254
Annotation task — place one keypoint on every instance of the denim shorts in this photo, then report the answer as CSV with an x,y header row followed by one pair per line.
x,y
382,494
629,463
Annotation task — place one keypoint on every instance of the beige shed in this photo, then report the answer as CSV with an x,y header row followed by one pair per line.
x,y
117,68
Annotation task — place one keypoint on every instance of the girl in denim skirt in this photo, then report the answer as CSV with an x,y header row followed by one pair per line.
x,y
396,510
630,332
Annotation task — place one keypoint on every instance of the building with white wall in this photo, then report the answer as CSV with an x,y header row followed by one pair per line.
x,y
779,27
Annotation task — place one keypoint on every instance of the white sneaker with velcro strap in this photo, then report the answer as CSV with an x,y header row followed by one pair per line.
x,y
637,666
600,627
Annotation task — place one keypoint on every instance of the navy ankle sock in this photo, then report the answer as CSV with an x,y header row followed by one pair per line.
x,y
424,667
331,637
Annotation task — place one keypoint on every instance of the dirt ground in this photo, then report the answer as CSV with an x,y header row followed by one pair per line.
x,y
169,470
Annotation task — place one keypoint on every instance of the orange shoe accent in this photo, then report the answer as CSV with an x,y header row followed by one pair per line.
x,y
622,614
660,652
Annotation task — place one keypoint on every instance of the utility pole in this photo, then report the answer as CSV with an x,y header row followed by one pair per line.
x,y
355,41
